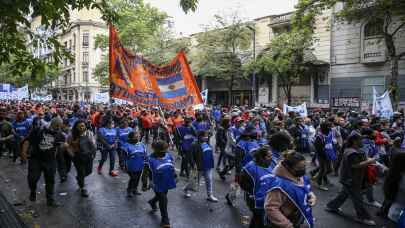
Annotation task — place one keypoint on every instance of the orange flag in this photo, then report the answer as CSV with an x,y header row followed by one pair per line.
x,y
135,79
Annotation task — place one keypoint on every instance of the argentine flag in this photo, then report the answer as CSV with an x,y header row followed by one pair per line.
x,y
172,86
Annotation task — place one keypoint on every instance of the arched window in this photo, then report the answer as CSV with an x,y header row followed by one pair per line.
x,y
374,28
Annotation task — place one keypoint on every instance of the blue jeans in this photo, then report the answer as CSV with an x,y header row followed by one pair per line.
x,y
208,180
111,153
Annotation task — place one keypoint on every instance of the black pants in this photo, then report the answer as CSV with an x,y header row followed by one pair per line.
x,y
145,134
357,199
231,164
121,157
35,169
64,163
222,157
338,161
257,220
155,132
83,167
161,198
324,165
133,183
186,163
108,153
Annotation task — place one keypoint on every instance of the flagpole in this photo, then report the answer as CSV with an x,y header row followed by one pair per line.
x,y
164,122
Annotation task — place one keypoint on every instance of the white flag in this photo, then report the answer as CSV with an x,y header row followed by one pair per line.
x,y
300,109
382,106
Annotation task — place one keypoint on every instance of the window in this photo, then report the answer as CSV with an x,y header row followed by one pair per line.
x,y
85,58
74,42
373,28
85,75
85,39
70,45
323,77
367,85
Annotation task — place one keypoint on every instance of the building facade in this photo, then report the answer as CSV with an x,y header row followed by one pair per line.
x,y
76,81
266,89
359,61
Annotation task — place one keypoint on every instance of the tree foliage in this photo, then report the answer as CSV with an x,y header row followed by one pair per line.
x,y
285,58
221,50
392,12
17,37
143,30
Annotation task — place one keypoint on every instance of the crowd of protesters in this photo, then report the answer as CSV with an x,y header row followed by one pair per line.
x,y
264,150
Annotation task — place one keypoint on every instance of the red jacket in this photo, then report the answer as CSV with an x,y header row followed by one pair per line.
x,y
379,139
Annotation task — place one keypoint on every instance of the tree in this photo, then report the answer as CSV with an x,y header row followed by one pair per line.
x,y
17,36
221,50
392,12
285,58
142,30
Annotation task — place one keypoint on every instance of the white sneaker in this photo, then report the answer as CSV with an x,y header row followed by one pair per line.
x,y
212,199
374,204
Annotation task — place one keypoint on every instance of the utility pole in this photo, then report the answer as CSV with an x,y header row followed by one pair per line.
x,y
254,60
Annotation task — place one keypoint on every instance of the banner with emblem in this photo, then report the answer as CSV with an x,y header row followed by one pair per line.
x,y
135,79
300,109
382,106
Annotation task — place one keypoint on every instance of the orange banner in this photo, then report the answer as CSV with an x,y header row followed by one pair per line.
x,y
135,79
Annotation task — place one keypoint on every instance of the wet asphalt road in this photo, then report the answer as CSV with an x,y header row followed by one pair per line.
x,y
108,207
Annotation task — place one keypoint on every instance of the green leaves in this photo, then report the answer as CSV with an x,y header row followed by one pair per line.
x,y
221,50
142,29
189,5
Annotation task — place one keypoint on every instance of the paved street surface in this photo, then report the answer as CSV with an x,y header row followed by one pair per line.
x,y
108,207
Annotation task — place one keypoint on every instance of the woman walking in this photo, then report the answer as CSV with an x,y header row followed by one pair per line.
x,y
82,147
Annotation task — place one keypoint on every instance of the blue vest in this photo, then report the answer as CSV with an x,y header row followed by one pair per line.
x,y
275,158
187,137
201,126
162,173
217,115
329,147
123,134
236,132
109,134
248,148
259,176
369,148
21,128
262,141
401,220
72,120
298,195
208,156
136,156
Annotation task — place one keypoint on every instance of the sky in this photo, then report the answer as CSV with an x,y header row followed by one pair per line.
x,y
186,24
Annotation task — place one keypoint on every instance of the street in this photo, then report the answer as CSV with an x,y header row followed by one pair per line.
x,y
109,207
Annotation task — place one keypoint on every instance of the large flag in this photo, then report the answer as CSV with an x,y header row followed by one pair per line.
x,y
382,106
135,79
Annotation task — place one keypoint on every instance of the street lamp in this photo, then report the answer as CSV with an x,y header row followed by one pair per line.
x,y
254,60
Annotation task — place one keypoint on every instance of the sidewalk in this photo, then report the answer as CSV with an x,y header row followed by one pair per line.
x,y
8,215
